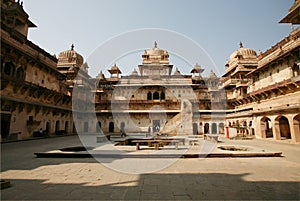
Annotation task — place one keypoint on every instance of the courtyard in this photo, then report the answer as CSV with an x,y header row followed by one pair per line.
x,y
238,178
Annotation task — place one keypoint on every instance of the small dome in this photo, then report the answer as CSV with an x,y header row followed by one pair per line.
x,y
100,76
70,56
134,73
177,72
245,53
212,75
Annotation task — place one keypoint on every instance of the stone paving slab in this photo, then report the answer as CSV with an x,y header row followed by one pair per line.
x,y
270,178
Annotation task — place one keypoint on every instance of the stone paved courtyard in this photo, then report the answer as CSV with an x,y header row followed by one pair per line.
x,y
275,178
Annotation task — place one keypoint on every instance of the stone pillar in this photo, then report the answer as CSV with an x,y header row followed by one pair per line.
x,y
276,129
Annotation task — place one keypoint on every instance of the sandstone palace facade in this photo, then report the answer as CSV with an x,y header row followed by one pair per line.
x,y
259,94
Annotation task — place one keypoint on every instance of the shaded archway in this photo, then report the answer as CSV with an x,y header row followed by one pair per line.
x,y
149,96
47,127
20,73
284,127
296,125
111,127
156,96
67,126
206,128
266,127
195,128
221,128
162,96
57,126
214,129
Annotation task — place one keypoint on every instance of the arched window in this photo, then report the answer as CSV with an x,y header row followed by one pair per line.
x,y
156,96
162,96
149,96
9,68
20,73
296,70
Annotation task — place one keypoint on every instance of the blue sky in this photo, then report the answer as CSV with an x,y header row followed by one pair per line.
x,y
217,26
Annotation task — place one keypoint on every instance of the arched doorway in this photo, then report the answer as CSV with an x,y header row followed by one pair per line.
x,y
284,126
111,127
221,128
206,128
156,96
47,127
162,96
296,125
149,96
67,126
214,129
266,127
57,126
195,128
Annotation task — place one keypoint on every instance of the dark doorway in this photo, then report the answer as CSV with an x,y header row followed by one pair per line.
x,y
57,126
162,96
5,124
156,125
156,96
266,128
214,129
48,127
206,128
67,126
195,128
149,96
284,126
111,127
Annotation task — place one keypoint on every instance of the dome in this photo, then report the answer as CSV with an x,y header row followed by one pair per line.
x,y
134,73
155,55
212,75
177,72
245,53
70,56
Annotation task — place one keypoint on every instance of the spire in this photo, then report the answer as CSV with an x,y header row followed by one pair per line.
x,y
241,45
72,47
155,44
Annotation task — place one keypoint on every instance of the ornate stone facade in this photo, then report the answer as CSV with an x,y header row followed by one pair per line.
x,y
34,93
263,91
258,94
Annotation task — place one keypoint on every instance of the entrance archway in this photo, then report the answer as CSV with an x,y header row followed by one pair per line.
x,y
266,127
284,126
48,127
206,128
214,129
296,125
5,124
195,128
67,126
57,126
221,128
111,127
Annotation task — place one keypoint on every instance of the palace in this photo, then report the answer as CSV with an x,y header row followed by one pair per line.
x,y
259,94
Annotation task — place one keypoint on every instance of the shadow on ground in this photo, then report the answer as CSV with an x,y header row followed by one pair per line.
x,y
158,187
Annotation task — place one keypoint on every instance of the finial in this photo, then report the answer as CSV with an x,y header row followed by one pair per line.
x,y
22,3
241,45
72,47
155,44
